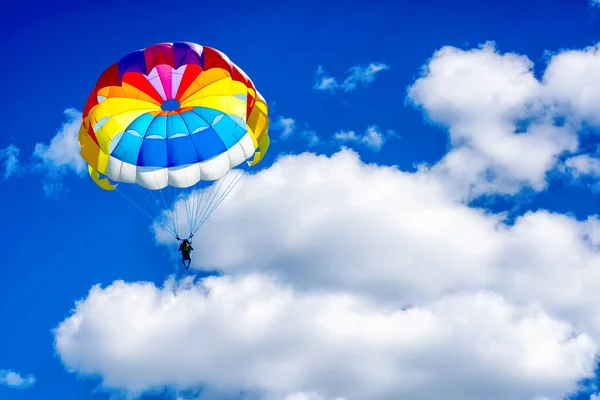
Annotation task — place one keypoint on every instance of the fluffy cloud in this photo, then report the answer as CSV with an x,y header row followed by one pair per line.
x,y
381,286
13,379
481,95
63,151
251,333
335,216
336,223
372,138
54,160
9,156
61,156
572,79
357,74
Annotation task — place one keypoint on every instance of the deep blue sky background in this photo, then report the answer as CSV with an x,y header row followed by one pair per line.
x,y
53,251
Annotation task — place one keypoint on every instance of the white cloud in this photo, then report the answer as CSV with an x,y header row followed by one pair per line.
x,y
324,82
349,246
362,74
311,137
480,95
54,160
285,125
335,225
63,150
340,224
61,156
583,164
357,74
572,79
9,156
373,137
250,332
310,396
12,379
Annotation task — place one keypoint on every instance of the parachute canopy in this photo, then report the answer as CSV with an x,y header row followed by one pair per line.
x,y
172,115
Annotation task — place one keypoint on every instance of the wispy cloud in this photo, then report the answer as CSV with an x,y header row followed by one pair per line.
x,y
288,128
372,137
311,137
285,125
324,81
61,156
358,74
363,74
583,164
9,156
53,160
12,379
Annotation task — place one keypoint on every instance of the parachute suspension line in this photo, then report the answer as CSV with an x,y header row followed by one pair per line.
x,y
144,196
202,209
132,202
154,203
201,212
188,208
166,228
212,196
175,209
229,188
169,213
199,197
148,196
199,193
216,201
176,197
192,201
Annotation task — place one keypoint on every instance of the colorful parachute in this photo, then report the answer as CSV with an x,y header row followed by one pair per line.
x,y
173,115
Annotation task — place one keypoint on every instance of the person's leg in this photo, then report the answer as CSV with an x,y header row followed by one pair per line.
x,y
185,256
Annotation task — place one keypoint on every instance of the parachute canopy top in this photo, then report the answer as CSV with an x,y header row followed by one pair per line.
x,y
172,115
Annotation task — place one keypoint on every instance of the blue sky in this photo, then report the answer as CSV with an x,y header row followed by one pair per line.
x,y
62,235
